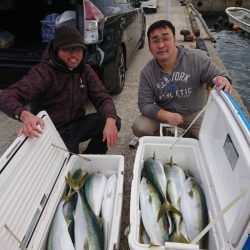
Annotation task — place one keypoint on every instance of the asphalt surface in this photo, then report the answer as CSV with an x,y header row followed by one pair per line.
x,y
126,104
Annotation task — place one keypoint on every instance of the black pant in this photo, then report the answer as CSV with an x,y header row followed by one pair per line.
x,y
89,127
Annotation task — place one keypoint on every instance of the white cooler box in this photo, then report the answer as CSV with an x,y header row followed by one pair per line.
x,y
32,182
220,161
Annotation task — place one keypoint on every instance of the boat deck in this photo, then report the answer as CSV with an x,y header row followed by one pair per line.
x,y
241,15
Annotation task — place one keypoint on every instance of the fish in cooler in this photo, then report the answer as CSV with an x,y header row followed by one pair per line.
x,y
175,179
94,190
59,237
194,209
86,193
150,204
183,194
88,233
154,171
108,207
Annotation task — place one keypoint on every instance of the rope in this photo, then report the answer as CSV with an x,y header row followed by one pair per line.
x,y
217,218
85,158
23,247
199,114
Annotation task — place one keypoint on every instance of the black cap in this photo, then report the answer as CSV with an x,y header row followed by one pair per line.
x,y
67,36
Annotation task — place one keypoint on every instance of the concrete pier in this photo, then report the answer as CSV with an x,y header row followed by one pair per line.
x,y
207,40
214,7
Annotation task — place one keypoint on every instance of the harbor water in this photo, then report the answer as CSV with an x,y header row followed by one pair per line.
x,y
234,50
233,47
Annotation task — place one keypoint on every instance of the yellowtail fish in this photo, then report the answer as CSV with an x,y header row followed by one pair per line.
x,y
150,204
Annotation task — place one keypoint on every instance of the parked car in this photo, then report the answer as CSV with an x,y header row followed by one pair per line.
x,y
150,5
113,31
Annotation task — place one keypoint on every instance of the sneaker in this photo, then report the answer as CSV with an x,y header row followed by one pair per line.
x,y
134,142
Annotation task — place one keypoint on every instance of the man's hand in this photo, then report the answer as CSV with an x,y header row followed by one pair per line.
x,y
173,119
110,132
222,82
29,127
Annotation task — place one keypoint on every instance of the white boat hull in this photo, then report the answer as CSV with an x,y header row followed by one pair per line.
x,y
239,16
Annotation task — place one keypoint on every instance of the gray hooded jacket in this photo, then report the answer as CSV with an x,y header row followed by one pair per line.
x,y
183,90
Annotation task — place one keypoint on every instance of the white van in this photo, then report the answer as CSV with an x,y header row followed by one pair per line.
x,y
150,5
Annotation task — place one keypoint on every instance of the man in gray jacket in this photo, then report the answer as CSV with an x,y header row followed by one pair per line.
x,y
173,84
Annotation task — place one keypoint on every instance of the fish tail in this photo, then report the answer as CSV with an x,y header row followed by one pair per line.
x,y
162,211
179,237
166,207
67,197
76,184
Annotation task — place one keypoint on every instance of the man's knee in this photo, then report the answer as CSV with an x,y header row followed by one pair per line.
x,y
138,130
144,127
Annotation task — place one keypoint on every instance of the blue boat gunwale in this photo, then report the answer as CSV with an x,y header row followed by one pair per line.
x,y
241,117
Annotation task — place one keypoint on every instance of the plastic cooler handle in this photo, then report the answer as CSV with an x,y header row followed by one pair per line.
x,y
166,125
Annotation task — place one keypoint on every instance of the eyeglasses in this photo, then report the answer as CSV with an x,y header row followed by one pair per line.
x,y
73,49
164,40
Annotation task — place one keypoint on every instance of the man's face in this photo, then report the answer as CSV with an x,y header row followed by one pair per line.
x,y
72,57
162,44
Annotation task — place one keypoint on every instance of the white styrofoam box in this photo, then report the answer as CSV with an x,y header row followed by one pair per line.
x,y
220,162
32,182
108,165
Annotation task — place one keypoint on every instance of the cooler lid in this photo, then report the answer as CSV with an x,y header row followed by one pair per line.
x,y
225,145
28,171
